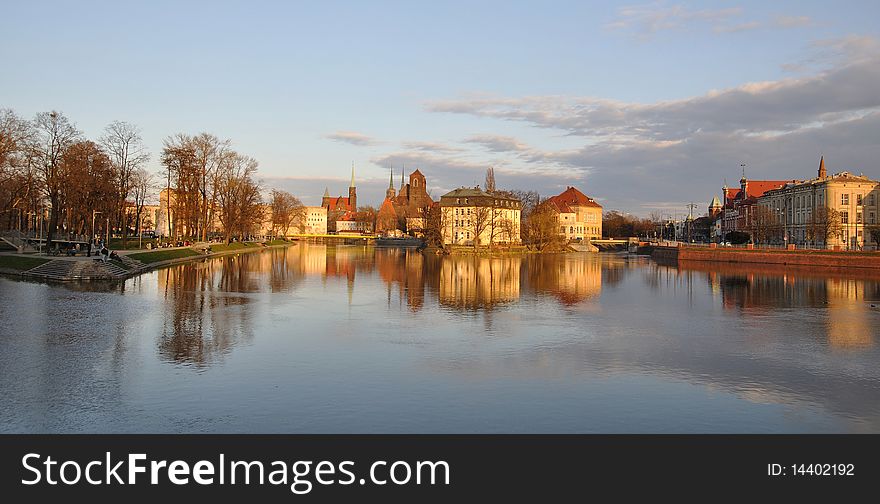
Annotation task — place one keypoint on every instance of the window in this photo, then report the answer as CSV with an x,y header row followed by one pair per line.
x,y
871,218
871,199
858,217
844,199
844,217
859,199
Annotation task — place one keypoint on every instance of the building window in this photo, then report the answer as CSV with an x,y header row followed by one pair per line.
x,y
844,217
871,199
871,218
844,199
858,217
859,199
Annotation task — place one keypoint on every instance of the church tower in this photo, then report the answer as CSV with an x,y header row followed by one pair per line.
x,y
390,192
822,172
352,192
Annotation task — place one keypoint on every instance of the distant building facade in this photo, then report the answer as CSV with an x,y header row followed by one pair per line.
x,y
404,211
738,207
855,198
579,217
339,206
473,216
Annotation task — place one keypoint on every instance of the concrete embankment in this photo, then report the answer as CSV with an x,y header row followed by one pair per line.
x,y
66,269
823,258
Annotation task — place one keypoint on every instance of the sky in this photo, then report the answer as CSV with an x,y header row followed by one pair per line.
x,y
644,106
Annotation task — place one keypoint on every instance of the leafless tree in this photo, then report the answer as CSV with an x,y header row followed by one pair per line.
x,y
286,210
239,205
490,180
123,143
55,134
142,185
824,224
764,224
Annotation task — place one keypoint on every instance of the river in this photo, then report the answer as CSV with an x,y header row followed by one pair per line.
x,y
350,339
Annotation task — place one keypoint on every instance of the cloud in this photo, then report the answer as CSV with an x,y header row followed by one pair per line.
x,y
658,16
751,25
793,21
498,143
431,146
353,138
682,150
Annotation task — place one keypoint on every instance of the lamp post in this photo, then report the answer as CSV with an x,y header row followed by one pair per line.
x,y
94,213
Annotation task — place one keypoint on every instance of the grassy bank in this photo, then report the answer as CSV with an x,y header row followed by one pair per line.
x,y
227,247
163,255
20,263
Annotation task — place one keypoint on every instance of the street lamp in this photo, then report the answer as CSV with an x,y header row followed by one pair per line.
x,y
94,213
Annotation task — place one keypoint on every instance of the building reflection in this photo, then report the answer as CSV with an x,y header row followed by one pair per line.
x,y
572,279
839,297
406,271
471,282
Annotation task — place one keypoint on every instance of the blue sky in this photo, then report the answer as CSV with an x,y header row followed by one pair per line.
x,y
645,106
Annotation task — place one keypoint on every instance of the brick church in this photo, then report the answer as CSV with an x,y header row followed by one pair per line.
x,y
404,210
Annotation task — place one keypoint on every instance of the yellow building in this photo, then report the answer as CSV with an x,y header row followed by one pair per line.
x,y
856,198
472,216
579,216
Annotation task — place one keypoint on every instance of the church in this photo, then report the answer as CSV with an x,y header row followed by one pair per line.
x,y
404,211
341,204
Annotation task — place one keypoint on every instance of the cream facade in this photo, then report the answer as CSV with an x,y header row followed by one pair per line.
x,y
472,216
856,198
579,216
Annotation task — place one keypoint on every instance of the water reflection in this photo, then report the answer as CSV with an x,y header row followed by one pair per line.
x,y
372,339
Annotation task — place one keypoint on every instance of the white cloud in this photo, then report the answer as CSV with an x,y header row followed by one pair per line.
x,y
658,16
353,138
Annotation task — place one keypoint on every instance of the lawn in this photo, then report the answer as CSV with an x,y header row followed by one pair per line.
x,y
163,255
224,247
20,263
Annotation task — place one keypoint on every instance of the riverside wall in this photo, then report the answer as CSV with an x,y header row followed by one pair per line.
x,y
823,258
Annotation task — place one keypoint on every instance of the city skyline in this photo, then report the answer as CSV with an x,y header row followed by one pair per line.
x,y
625,102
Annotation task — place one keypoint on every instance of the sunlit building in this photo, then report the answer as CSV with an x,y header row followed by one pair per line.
x,y
471,215
855,200
579,217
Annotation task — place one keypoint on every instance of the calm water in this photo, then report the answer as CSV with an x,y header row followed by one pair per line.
x,y
353,339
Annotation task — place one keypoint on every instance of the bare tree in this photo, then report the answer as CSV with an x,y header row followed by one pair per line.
x,y
764,225
490,180
479,221
55,134
434,225
823,225
286,210
541,228
873,230
123,143
16,163
142,185
239,205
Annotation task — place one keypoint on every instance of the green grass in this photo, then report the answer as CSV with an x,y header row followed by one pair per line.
x,y
224,247
163,255
20,263
277,242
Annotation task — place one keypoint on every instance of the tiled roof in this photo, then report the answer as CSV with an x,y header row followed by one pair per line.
x,y
572,197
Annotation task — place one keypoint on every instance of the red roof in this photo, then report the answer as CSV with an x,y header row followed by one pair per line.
x,y
572,197
757,188
340,203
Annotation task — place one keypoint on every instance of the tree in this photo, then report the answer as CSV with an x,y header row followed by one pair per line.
x,y
55,134
479,221
873,230
435,224
239,205
86,176
141,186
824,224
286,210
490,180
540,228
123,143
17,186
764,225
365,218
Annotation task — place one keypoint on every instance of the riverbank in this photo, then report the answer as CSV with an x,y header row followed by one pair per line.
x,y
129,264
781,257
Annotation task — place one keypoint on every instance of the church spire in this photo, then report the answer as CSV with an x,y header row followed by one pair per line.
x,y
326,192
402,169
352,174
391,182
822,172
